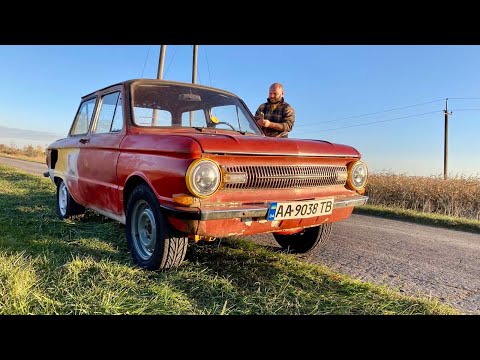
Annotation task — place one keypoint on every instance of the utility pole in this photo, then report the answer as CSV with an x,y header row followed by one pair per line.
x,y
161,62
445,146
194,67
194,75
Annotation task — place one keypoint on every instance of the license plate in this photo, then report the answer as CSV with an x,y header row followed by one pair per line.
x,y
300,209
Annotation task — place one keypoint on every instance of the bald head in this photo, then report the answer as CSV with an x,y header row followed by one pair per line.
x,y
276,92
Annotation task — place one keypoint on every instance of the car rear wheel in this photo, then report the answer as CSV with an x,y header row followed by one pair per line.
x,y
66,206
306,240
149,236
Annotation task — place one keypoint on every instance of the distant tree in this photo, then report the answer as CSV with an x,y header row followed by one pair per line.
x,y
29,151
39,150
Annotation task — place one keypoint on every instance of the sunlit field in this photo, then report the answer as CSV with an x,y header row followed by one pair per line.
x,y
82,266
29,152
458,196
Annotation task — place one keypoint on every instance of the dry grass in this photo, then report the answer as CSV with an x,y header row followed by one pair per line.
x,y
30,153
456,197
82,266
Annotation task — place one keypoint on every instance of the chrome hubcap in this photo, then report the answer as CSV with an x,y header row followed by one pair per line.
x,y
62,199
143,230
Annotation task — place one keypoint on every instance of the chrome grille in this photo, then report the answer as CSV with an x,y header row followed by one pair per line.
x,y
287,177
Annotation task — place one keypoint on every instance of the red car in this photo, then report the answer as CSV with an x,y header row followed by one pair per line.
x,y
178,162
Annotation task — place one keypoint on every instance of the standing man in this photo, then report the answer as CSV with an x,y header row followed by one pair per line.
x,y
275,117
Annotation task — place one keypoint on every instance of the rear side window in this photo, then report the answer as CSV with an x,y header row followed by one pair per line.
x,y
110,117
84,117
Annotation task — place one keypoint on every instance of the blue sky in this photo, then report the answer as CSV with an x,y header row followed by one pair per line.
x,y
385,100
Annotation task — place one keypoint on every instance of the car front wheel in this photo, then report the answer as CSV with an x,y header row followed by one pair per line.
x,y
148,233
306,240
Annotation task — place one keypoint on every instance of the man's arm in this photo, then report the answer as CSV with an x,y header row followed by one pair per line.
x,y
271,125
288,119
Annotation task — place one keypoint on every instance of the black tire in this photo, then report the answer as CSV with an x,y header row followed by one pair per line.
x,y
66,206
149,236
306,240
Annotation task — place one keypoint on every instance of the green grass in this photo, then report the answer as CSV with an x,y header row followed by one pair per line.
x,y
81,266
445,221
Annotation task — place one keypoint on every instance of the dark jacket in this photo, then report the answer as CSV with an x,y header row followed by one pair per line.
x,y
283,114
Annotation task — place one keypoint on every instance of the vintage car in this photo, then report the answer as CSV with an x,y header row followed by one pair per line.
x,y
178,163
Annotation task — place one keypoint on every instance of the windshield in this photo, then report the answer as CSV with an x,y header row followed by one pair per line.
x,y
183,106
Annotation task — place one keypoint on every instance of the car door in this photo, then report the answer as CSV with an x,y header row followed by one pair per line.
x,y
99,155
68,155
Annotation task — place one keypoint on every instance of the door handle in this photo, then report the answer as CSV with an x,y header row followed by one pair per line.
x,y
84,141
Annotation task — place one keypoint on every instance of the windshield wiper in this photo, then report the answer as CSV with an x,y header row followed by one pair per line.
x,y
201,129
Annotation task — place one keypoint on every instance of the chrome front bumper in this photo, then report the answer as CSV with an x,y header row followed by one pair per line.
x,y
251,211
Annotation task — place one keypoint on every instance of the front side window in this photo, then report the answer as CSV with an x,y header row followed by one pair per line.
x,y
84,117
159,105
227,116
110,117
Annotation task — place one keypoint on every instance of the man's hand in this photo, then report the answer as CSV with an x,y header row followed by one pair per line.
x,y
263,123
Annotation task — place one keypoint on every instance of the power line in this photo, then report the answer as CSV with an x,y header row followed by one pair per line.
x,y
208,66
467,98
376,122
168,67
145,63
199,78
373,113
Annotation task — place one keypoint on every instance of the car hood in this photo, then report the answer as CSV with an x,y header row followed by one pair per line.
x,y
259,145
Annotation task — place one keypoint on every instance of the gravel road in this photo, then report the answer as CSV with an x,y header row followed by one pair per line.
x,y
28,166
413,259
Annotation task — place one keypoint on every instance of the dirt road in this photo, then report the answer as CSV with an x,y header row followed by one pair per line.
x,y
28,166
414,259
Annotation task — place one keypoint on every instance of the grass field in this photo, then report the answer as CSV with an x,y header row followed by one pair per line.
x,y
449,201
457,197
81,266
29,153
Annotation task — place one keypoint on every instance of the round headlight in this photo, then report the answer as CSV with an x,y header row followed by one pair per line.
x,y
203,177
357,175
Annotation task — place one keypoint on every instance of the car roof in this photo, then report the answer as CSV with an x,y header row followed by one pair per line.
x,y
128,83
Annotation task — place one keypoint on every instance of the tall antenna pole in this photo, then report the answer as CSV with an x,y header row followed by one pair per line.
x,y
161,62
445,146
194,70
194,75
